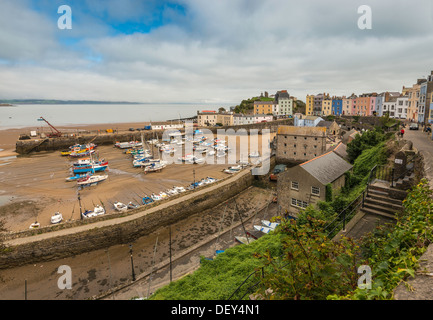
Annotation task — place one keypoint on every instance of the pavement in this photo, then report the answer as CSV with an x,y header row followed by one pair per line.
x,y
420,287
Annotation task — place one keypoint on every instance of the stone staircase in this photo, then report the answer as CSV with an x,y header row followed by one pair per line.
x,y
383,201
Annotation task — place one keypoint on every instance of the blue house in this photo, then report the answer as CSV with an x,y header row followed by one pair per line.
x,y
337,106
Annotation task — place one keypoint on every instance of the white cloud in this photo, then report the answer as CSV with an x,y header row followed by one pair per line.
x,y
221,51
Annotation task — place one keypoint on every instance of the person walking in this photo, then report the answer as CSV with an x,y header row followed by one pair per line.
x,y
402,133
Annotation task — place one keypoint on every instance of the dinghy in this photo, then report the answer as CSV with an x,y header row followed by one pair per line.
x,y
56,218
119,206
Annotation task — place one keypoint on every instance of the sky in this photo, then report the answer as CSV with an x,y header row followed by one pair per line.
x,y
203,51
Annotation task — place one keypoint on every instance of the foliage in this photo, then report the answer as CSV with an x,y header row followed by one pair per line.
x,y
312,266
219,278
362,142
328,192
393,252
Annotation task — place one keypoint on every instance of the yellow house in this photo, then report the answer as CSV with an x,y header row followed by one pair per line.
x,y
263,107
309,105
326,107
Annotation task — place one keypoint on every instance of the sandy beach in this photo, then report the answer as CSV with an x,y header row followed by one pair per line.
x,y
33,187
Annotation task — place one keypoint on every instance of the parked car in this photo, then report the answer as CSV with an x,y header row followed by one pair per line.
x,y
278,168
413,126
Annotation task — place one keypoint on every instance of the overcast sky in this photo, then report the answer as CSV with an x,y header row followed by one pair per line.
x,y
218,51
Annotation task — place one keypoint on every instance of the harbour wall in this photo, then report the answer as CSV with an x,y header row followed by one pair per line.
x,y
99,138
95,236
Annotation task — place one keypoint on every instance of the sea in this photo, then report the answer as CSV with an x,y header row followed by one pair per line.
x,y
27,115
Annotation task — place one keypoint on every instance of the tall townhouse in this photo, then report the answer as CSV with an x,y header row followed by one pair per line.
x,y
429,90
389,106
317,106
264,107
413,95
309,105
372,108
326,106
422,102
284,102
402,104
380,99
346,106
337,106
361,105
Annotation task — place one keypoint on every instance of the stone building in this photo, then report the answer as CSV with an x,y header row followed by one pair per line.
x,y
305,184
299,144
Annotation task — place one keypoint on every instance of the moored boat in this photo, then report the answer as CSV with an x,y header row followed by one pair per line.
x,y
56,218
119,206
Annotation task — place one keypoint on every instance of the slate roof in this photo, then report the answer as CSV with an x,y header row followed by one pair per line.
x,y
326,168
302,131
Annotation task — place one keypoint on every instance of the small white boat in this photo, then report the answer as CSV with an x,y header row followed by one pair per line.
x,y
99,210
155,167
271,225
91,180
179,189
119,206
262,229
156,197
244,240
56,218
254,154
35,225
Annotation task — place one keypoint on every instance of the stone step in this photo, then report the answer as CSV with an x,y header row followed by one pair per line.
x,y
378,213
384,202
380,208
383,197
390,192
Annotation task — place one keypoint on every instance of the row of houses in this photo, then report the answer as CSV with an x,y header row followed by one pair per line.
x,y
413,103
282,105
214,118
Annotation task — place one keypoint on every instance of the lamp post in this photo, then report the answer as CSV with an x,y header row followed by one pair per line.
x,y
132,263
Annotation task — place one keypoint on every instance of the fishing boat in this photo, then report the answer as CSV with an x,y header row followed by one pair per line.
x,y
78,176
271,225
233,169
56,218
119,206
90,168
91,179
163,195
262,229
85,153
35,225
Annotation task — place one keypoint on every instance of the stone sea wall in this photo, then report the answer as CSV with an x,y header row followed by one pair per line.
x,y
126,232
54,144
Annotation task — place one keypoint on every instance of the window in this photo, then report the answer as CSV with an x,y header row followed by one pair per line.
x,y
294,137
299,203
294,146
315,191
295,185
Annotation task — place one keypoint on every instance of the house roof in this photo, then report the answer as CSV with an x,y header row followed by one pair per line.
x,y
326,168
325,123
340,149
307,131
